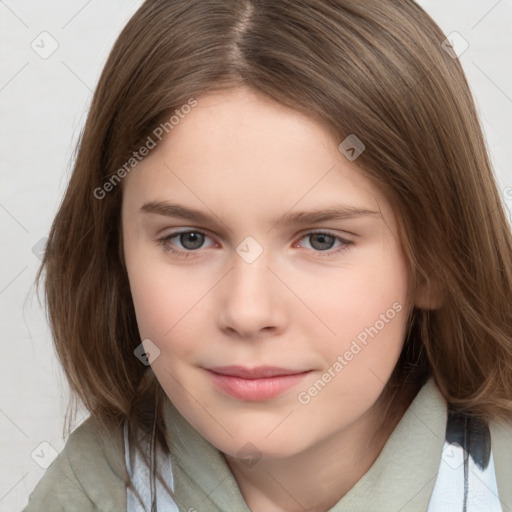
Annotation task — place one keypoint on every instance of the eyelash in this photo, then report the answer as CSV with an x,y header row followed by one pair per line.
x,y
165,243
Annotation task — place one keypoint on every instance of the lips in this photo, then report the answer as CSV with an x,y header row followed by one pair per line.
x,y
254,373
255,384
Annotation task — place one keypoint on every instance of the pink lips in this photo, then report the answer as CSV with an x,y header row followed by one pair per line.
x,y
255,384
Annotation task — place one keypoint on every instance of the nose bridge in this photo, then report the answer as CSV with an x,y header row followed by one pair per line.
x,y
250,296
249,274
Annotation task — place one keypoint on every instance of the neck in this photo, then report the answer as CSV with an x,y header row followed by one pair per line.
x,y
318,477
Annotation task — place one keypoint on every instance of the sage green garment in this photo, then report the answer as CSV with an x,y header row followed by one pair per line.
x,y
88,474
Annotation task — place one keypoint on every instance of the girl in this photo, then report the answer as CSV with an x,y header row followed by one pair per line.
x,y
281,276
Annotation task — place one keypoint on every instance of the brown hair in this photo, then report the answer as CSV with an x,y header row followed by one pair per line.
x,y
370,68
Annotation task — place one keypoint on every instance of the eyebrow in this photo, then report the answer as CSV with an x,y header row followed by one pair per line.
x,y
335,212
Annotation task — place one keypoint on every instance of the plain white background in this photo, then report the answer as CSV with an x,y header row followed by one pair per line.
x,y
43,106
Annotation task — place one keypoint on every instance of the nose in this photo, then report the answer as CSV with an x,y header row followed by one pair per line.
x,y
251,301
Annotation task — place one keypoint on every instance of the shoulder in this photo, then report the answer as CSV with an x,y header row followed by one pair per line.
x,y
501,442
87,475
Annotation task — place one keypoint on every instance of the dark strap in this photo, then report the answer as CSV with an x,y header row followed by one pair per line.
x,y
472,434
466,480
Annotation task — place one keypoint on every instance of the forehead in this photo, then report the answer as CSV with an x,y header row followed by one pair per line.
x,y
242,152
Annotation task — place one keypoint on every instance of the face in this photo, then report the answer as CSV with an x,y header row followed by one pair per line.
x,y
273,328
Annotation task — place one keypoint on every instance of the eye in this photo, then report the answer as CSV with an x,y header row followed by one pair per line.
x,y
190,241
323,242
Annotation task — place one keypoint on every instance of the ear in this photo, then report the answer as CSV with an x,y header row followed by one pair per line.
x,y
429,295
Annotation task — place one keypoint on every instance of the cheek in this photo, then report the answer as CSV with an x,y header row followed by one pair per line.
x,y
367,308
167,302
161,309
151,297
378,313
380,325
368,294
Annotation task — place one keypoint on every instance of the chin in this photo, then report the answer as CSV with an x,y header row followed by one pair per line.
x,y
256,445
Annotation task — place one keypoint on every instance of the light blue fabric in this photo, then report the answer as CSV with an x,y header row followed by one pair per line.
x,y
482,490
140,476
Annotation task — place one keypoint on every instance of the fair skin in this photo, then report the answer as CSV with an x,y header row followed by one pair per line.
x,y
244,161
